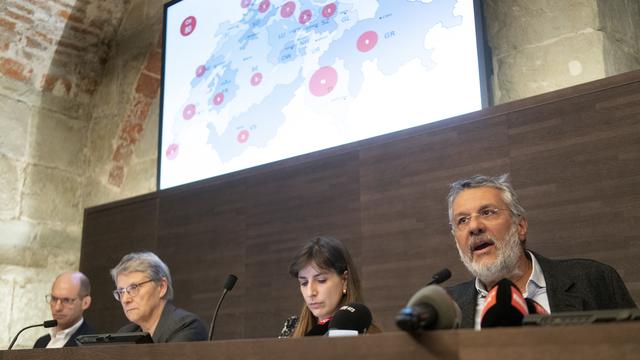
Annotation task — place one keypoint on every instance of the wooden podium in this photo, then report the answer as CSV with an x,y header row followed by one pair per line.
x,y
598,341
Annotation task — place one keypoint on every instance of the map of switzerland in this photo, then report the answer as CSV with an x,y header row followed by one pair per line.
x,y
298,52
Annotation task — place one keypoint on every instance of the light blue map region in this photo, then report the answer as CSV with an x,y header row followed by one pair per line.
x,y
401,30
263,64
261,120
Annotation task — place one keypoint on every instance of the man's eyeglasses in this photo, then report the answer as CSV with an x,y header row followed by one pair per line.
x,y
489,214
52,300
132,290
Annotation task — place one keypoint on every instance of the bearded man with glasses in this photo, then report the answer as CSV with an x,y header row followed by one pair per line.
x,y
144,289
490,229
69,298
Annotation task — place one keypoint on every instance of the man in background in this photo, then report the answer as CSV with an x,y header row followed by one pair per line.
x,y
69,298
490,229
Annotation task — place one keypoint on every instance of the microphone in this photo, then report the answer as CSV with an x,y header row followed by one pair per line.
x,y
440,277
350,320
318,329
46,324
534,307
505,306
228,285
430,308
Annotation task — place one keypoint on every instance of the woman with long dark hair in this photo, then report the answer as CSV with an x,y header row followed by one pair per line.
x,y
328,280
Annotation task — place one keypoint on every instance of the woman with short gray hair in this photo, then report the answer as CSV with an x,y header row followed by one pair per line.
x,y
145,290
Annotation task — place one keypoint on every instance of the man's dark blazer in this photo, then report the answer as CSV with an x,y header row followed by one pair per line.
x,y
175,325
84,329
572,285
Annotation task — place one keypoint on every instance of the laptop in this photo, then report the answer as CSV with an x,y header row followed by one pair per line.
x,y
115,339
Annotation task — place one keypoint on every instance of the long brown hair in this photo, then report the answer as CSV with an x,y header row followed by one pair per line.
x,y
329,254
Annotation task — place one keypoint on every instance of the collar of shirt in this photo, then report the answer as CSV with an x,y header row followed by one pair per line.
x,y
536,281
536,289
62,336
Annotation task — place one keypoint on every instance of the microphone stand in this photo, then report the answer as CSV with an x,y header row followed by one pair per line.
x,y
228,285
47,324
215,314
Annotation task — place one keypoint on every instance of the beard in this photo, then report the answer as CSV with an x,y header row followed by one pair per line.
x,y
505,265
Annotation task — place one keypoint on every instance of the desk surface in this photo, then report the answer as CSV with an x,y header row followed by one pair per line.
x,y
599,341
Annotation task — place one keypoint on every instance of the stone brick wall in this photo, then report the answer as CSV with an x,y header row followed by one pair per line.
x,y
52,56
543,45
123,131
79,98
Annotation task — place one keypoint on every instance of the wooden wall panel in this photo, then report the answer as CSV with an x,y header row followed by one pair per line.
x,y
574,157
108,233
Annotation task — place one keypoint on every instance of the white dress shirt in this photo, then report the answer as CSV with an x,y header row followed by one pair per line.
x,y
60,337
536,290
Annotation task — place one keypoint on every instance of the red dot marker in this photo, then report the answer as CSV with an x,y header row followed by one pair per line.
x,y
218,99
264,6
256,79
243,136
172,151
200,70
305,17
188,26
329,9
367,41
323,81
188,112
287,9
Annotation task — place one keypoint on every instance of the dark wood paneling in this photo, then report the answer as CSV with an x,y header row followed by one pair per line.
x,y
109,232
574,157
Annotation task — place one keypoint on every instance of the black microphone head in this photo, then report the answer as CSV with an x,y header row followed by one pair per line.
x,y
430,308
440,277
230,282
50,323
504,306
318,330
351,317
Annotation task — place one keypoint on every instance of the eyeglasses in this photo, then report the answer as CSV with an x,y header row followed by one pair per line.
x,y
132,290
486,214
52,300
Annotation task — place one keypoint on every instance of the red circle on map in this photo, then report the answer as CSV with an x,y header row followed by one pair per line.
x,y
243,136
188,112
188,26
200,70
328,10
256,79
305,17
172,151
287,9
367,41
323,81
218,98
264,6
245,3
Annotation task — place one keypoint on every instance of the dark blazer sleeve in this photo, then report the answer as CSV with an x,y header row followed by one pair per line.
x,y
465,295
177,325
42,342
582,285
84,329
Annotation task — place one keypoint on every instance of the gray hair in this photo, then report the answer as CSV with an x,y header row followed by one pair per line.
x,y
148,263
498,182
